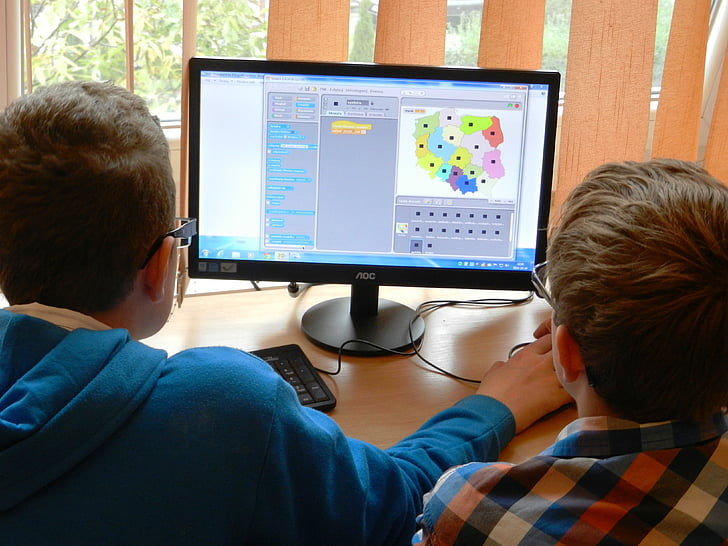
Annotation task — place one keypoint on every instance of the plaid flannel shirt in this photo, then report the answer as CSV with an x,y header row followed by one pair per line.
x,y
604,481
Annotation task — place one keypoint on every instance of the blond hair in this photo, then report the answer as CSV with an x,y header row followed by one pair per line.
x,y
638,271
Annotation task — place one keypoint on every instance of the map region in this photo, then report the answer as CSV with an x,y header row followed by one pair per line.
x,y
461,151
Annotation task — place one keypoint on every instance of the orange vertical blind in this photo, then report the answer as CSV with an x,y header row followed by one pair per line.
x,y
608,85
411,32
315,30
677,125
511,34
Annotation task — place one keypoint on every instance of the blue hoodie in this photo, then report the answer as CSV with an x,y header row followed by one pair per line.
x,y
104,440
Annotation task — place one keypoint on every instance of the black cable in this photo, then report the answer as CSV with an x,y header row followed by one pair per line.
x,y
433,305
295,289
425,308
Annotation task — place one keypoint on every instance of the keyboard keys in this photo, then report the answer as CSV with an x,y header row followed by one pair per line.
x,y
294,367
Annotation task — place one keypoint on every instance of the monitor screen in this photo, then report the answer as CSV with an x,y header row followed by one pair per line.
x,y
369,175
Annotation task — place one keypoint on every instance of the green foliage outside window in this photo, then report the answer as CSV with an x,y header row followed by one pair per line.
x,y
362,43
232,28
75,40
84,39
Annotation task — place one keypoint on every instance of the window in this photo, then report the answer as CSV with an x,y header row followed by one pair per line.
x,y
72,39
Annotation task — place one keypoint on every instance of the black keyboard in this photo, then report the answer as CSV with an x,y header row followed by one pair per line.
x,y
292,365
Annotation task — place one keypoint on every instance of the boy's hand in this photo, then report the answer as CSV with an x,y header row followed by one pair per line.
x,y
527,383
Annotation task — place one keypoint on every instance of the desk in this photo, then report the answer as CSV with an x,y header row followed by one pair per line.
x,y
382,399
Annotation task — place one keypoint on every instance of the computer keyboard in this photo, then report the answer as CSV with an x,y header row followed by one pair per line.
x,y
292,365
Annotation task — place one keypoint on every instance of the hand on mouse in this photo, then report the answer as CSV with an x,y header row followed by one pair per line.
x,y
527,383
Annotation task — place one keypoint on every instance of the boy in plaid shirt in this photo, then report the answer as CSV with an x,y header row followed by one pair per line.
x,y
636,276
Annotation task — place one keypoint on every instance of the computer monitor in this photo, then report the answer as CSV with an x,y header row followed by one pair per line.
x,y
369,175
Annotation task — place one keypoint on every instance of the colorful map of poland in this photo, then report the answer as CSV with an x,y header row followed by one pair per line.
x,y
461,151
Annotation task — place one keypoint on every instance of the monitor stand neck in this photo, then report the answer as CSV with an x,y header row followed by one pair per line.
x,y
363,316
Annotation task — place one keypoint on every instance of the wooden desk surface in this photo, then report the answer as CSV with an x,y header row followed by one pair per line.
x,y
382,399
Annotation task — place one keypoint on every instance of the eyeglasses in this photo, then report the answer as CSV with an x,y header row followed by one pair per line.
x,y
539,281
183,233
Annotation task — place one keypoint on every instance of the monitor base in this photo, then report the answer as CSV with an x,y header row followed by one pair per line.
x,y
331,323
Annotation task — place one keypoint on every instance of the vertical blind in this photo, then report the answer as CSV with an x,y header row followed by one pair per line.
x,y
608,94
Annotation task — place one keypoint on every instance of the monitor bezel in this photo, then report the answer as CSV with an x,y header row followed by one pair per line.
x,y
388,275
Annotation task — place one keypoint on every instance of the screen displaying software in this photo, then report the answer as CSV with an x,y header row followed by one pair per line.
x,y
368,170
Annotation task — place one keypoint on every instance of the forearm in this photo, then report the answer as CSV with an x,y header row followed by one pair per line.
x,y
475,429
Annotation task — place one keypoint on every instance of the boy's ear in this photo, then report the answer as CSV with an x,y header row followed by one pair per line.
x,y
569,354
156,271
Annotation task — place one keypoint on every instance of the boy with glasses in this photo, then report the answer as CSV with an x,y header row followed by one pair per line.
x,y
104,440
636,276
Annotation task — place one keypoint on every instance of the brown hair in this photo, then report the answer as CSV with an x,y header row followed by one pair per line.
x,y
638,271
85,189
